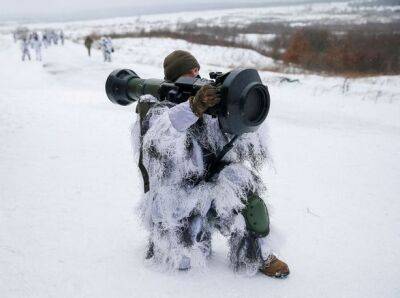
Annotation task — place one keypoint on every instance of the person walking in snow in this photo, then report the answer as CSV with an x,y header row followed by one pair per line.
x,y
25,49
88,43
177,143
49,38
55,37
106,48
110,44
61,37
37,46
45,39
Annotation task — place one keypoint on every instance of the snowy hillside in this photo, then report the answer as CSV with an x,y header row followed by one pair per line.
x,y
329,13
69,183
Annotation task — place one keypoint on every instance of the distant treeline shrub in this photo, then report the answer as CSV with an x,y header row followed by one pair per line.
x,y
352,52
362,49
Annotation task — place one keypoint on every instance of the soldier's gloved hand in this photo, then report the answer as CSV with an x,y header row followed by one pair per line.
x,y
205,98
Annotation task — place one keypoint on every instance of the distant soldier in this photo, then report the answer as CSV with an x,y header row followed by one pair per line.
x,y
25,49
37,45
62,37
30,39
110,45
45,40
55,37
106,48
49,38
88,43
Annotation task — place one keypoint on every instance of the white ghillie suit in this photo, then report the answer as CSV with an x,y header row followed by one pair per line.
x,y
106,48
25,50
37,45
62,37
45,40
180,210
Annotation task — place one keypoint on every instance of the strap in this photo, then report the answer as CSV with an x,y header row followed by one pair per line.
x,y
213,168
145,174
141,109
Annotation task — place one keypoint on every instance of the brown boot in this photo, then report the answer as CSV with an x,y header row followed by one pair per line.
x,y
275,268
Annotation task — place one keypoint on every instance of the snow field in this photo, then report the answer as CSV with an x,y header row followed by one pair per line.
x,y
69,182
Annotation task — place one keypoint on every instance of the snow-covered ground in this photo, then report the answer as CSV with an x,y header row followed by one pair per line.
x,y
69,183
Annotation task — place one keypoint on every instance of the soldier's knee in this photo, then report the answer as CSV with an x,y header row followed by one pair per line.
x,y
256,216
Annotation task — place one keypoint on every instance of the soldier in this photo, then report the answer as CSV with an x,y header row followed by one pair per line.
x,y
180,210
88,43
50,37
30,39
54,36
106,48
110,45
25,49
45,39
37,45
62,37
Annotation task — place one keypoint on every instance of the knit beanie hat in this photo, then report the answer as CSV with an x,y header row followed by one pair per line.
x,y
179,63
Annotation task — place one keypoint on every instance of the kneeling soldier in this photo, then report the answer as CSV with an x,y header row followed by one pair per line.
x,y
179,208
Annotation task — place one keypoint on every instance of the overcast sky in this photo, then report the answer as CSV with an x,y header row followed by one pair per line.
x,y
69,10
62,6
